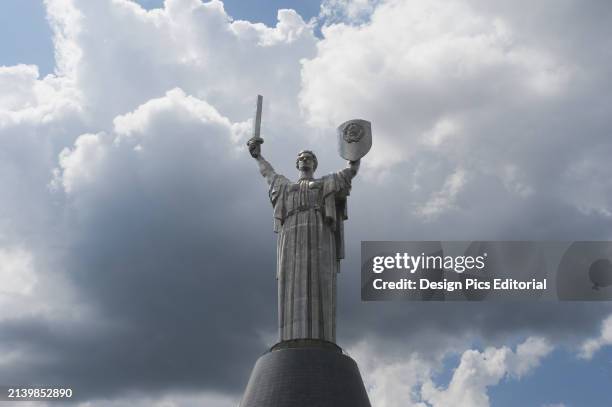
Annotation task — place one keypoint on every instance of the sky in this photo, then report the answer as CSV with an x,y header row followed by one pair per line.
x,y
136,244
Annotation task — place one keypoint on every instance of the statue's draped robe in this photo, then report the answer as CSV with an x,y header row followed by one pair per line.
x,y
308,217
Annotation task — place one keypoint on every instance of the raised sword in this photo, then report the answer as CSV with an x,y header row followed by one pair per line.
x,y
257,125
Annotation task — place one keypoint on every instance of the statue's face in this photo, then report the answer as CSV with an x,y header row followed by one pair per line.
x,y
305,162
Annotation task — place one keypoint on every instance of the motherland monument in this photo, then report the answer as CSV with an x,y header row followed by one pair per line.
x,y
306,367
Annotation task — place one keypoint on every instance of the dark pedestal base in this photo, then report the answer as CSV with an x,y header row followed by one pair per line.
x,y
305,375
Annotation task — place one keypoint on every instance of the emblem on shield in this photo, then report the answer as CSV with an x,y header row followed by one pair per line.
x,y
354,139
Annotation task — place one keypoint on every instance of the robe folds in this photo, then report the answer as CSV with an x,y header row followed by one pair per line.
x,y
308,217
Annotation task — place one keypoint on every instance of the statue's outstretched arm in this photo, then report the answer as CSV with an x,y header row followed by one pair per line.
x,y
265,168
352,167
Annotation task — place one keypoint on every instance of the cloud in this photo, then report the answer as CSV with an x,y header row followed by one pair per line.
x,y
16,272
353,11
159,191
458,86
479,370
394,379
118,55
443,200
135,131
592,346
26,97
183,399
167,400
136,232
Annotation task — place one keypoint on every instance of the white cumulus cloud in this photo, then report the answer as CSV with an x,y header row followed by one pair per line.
x,y
593,345
399,380
130,207
479,370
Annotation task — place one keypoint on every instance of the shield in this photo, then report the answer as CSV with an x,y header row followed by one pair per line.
x,y
354,139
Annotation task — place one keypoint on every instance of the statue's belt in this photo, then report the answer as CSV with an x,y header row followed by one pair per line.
x,y
303,208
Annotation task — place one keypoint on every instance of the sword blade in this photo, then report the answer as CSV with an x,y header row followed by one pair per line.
x,y
257,125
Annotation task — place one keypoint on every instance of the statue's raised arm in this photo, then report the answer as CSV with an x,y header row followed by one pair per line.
x,y
353,167
265,168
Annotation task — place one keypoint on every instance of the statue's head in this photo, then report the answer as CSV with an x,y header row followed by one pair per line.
x,y
306,161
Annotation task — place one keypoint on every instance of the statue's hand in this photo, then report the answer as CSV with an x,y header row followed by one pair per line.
x,y
354,166
254,148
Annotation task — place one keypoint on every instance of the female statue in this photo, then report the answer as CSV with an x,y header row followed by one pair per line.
x,y
308,217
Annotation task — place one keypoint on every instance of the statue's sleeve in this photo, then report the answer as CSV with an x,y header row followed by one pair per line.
x,y
336,187
343,182
278,188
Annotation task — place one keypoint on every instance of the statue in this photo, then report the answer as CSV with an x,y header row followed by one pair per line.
x,y
308,217
306,367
